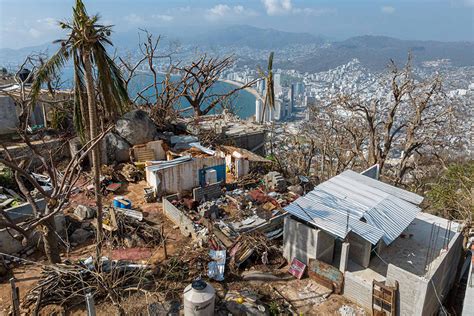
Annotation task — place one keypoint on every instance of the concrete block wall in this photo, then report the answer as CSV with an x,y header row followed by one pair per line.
x,y
325,247
209,192
180,219
359,251
304,242
299,240
444,276
358,290
411,290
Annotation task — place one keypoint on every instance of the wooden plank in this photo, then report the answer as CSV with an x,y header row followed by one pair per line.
x,y
15,298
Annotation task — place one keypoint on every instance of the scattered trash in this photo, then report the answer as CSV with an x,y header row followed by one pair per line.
x,y
216,267
297,268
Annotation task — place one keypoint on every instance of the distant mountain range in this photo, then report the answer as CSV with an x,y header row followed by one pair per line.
x,y
374,52
254,37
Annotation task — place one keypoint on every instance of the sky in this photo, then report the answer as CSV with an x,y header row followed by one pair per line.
x,y
26,23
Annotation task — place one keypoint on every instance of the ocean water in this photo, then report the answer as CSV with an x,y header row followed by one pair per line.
x,y
242,103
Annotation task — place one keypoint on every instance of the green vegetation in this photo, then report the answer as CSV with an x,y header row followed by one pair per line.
x,y
7,178
450,195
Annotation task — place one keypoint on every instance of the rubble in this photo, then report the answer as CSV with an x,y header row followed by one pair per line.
x,y
275,181
83,212
123,230
296,189
79,236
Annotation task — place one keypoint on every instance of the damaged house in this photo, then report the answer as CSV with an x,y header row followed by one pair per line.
x,y
377,236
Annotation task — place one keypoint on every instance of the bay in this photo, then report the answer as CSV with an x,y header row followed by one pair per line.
x,y
242,103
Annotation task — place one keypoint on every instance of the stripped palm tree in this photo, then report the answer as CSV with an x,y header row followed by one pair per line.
x,y
269,87
85,46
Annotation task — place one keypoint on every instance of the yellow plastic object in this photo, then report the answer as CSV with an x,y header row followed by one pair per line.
x,y
140,165
240,300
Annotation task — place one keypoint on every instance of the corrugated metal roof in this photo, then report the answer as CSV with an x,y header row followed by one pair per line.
x,y
328,205
159,165
390,189
332,221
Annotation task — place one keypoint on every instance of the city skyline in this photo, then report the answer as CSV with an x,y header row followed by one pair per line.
x,y
421,19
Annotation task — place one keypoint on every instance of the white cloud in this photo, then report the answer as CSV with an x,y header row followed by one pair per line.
x,y
277,7
163,17
281,7
387,9
313,11
50,23
134,18
225,11
35,33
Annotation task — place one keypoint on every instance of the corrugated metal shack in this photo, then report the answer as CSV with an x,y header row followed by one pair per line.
x,y
182,174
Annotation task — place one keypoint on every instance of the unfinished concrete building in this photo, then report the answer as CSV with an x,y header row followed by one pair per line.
x,y
232,131
376,234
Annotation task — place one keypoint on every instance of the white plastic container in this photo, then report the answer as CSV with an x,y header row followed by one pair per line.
x,y
199,299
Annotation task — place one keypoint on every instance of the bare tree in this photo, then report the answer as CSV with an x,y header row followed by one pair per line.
x,y
358,132
199,78
62,183
160,96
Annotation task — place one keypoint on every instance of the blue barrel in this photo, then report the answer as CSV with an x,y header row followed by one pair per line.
x,y
122,202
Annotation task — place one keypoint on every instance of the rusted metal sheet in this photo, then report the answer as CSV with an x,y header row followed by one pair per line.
x,y
326,275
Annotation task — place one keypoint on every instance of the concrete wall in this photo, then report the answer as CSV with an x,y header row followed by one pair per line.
x,y
411,290
209,192
182,177
444,276
8,115
58,147
359,250
249,142
10,245
416,294
358,290
304,242
186,226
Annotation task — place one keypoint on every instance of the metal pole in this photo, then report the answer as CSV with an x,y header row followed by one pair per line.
x,y
429,249
90,305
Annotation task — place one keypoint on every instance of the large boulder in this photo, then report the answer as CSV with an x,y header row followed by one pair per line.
x,y
116,149
136,127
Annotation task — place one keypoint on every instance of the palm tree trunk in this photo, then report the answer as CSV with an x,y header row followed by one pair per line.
x,y
91,101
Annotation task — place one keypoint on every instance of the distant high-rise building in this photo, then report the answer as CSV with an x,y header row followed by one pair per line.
x,y
277,83
258,110
291,104
299,89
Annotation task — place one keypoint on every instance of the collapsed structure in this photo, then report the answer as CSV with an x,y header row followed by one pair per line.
x,y
377,236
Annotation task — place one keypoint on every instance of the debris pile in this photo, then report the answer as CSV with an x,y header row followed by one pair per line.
x,y
67,284
275,181
123,230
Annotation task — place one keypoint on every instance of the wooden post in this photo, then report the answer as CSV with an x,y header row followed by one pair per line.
x,y
15,298
165,251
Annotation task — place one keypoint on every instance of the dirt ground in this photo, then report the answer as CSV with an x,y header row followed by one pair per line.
x,y
306,295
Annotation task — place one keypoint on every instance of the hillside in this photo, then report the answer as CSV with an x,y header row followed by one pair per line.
x,y
374,52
